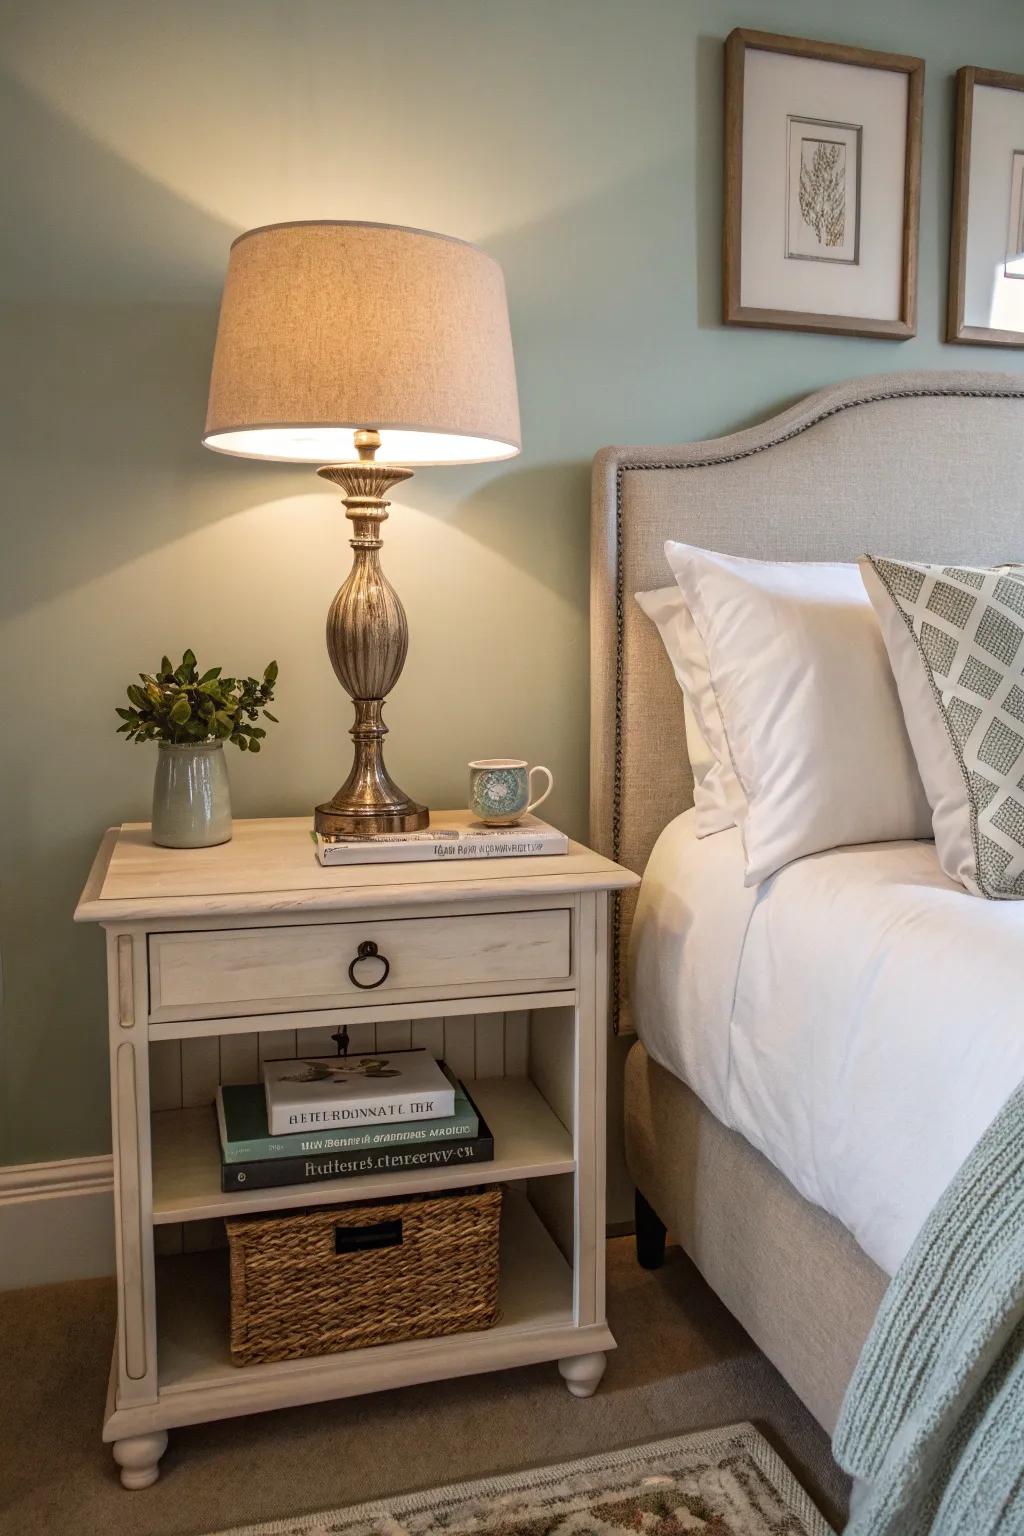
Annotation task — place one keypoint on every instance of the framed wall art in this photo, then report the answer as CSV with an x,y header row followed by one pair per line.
x,y
986,248
822,186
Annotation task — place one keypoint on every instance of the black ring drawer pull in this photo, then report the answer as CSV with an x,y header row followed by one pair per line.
x,y
368,951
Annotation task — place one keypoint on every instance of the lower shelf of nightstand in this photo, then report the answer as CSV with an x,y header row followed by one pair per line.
x,y
197,1380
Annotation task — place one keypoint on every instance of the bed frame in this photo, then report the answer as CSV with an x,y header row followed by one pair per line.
x,y
918,465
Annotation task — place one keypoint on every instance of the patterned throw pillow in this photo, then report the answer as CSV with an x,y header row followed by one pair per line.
x,y
955,637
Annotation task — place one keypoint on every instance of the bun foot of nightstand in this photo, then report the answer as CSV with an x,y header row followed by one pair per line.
x,y
582,1373
139,1458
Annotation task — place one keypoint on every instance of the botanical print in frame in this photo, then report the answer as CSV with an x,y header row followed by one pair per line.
x,y
986,245
823,182
822,186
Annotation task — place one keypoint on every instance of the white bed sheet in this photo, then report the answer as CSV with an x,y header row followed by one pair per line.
x,y
859,1018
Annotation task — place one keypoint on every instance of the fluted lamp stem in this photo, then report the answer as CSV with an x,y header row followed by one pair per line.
x,y
367,640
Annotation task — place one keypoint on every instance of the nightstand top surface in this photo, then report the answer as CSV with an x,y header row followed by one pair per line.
x,y
270,865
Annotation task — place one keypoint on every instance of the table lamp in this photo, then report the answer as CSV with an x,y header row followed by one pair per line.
x,y
338,342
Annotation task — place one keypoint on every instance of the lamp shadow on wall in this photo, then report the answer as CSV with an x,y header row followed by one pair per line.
x,y
112,283
600,331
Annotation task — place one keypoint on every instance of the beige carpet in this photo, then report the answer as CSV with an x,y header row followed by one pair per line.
x,y
682,1364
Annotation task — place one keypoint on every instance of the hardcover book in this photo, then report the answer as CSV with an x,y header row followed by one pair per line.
x,y
245,1134
336,1092
457,836
419,1157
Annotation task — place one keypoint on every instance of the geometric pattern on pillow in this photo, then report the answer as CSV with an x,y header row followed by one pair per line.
x,y
968,627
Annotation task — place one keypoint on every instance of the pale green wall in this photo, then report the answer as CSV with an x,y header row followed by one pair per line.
x,y
579,141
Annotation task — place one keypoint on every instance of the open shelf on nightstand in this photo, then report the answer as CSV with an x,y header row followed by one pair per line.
x,y
530,1142
197,1379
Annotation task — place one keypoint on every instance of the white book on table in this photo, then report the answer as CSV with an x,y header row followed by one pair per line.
x,y
449,837
329,1092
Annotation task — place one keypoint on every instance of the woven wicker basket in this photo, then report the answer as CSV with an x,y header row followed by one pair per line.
x,y
319,1281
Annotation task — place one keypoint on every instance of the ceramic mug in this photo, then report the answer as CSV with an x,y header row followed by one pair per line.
x,y
499,790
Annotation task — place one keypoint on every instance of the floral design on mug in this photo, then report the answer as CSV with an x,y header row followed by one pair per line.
x,y
501,790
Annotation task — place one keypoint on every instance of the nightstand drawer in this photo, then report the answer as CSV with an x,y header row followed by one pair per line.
x,y
228,972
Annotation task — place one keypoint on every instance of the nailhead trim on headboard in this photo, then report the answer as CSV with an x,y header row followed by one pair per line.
x,y
712,460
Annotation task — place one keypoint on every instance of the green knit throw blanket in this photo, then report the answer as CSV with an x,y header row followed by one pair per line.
x,y
932,1427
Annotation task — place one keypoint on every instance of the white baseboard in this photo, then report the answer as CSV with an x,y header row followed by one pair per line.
x,y
56,1221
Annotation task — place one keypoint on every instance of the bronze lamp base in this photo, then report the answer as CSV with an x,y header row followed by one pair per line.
x,y
367,640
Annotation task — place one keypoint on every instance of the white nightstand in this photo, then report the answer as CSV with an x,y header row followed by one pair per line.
x,y
220,957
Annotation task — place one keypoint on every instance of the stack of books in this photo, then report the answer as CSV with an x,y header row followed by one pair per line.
x,y
455,835
336,1117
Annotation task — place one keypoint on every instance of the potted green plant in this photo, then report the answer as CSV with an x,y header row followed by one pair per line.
x,y
190,716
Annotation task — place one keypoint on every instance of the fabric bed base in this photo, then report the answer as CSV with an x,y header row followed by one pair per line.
x,y
794,1277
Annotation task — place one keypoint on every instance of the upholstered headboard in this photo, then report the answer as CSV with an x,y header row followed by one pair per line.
x,y
920,465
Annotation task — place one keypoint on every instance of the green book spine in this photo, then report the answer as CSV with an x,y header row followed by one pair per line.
x,y
244,1138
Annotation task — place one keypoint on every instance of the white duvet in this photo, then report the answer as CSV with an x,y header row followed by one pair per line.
x,y
858,1018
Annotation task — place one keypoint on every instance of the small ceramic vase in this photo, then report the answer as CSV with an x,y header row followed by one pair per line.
x,y
191,795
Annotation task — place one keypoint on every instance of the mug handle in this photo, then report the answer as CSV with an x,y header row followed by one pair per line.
x,y
551,784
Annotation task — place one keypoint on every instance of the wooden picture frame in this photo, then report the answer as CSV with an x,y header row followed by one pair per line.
x,y
959,328
901,284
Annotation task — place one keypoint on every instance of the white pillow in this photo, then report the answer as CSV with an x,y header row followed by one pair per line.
x,y
702,759
808,706
955,637
717,797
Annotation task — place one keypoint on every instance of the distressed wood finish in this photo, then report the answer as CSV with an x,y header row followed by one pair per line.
x,y
734,312
135,1347
362,1021
269,867
244,970
506,983
530,1142
974,335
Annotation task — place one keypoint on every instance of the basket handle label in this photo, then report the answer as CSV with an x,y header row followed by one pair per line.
x,y
382,1234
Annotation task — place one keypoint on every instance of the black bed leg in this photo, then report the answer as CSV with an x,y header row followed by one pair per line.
x,y
650,1235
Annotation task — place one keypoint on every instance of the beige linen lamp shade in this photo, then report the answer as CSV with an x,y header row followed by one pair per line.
x,y
329,328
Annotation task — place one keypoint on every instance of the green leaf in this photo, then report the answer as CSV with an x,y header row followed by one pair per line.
x,y
186,673
176,704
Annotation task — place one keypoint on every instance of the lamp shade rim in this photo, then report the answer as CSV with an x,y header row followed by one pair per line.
x,y
242,442
404,229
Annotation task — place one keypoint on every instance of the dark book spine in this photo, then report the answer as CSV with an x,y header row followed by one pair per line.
x,y
316,1169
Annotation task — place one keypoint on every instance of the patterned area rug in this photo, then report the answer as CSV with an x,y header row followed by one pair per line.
x,y
722,1482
